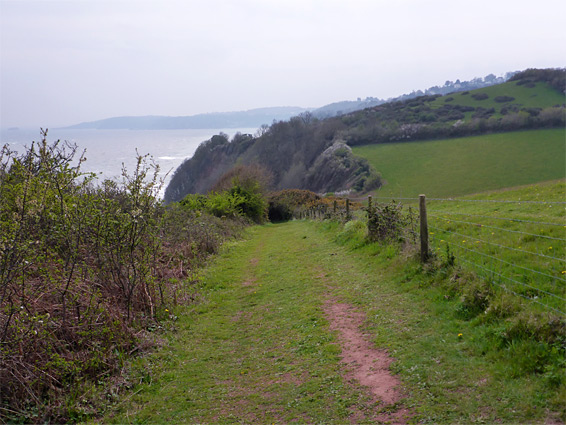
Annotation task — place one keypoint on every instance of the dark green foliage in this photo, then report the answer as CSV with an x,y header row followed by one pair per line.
x,y
284,204
503,99
480,96
388,222
556,78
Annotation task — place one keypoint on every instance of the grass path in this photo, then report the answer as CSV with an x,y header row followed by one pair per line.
x,y
259,348
265,343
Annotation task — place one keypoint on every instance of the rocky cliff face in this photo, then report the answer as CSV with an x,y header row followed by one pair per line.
x,y
297,158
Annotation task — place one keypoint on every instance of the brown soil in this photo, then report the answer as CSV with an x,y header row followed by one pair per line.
x,y
367,365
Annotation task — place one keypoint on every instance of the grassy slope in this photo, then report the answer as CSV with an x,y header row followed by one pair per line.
x,y
258,348
535,248
455,167
540,96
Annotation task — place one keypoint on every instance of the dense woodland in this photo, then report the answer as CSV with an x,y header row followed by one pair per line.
x,y
314,154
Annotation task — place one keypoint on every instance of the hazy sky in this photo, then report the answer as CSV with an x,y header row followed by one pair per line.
x,y
64,62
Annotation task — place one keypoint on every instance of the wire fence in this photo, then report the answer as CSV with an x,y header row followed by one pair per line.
x,y
519,246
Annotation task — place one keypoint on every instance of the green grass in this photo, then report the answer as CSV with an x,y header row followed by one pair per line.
x,y
540,96
456,167
522,241
257,347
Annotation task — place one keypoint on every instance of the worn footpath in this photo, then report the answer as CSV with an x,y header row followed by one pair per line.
x,y
272,339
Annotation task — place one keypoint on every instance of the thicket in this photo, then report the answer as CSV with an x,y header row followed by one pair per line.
x,y
239,193
87,272
296,203
421,118
554,77
304,153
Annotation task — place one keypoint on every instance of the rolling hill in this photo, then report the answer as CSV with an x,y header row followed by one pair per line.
x,y
316,154
455,167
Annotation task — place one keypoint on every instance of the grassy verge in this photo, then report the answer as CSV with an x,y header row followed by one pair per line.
x,y
258,348
459,368
456,167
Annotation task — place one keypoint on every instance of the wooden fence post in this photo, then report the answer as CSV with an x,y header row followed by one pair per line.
x,y
347,209
335,206
424,229
369,203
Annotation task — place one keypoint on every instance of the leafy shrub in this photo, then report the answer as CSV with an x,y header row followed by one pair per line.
x,y
284,204
503,99
480,96
85,269
388,222
475,299
194,202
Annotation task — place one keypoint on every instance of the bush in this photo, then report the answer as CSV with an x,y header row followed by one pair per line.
x,y
85,271
388,222
285,203
503,99
480,96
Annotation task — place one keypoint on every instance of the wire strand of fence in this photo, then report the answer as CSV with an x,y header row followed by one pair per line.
x,y
510,290
500,201
504,218
501,246
506,262
393,198
497,228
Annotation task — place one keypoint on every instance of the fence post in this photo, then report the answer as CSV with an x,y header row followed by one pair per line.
x,y
347,209
335,206
424,229
369,203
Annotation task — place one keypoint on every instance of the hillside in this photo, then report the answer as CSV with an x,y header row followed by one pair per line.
x,y
454,167
310,153
264,116
348,106
251,118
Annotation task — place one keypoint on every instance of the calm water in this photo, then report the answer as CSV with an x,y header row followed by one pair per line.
x,y
107,150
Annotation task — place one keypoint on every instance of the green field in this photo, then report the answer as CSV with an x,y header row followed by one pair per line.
x,y
539,96
456,167
515,238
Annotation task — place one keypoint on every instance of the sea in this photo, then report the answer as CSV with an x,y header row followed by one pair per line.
x,y
108,151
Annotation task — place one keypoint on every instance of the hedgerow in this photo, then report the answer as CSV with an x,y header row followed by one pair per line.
x,y
87,270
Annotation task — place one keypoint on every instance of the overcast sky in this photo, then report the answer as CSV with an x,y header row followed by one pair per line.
x,y
64,62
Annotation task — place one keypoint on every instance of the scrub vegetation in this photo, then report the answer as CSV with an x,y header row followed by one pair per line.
x,y
112,310
89,272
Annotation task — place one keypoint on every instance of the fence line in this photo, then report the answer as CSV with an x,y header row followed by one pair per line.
x,y
541,287
501,201
498,228
505,218
510,290
503,261
504,246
